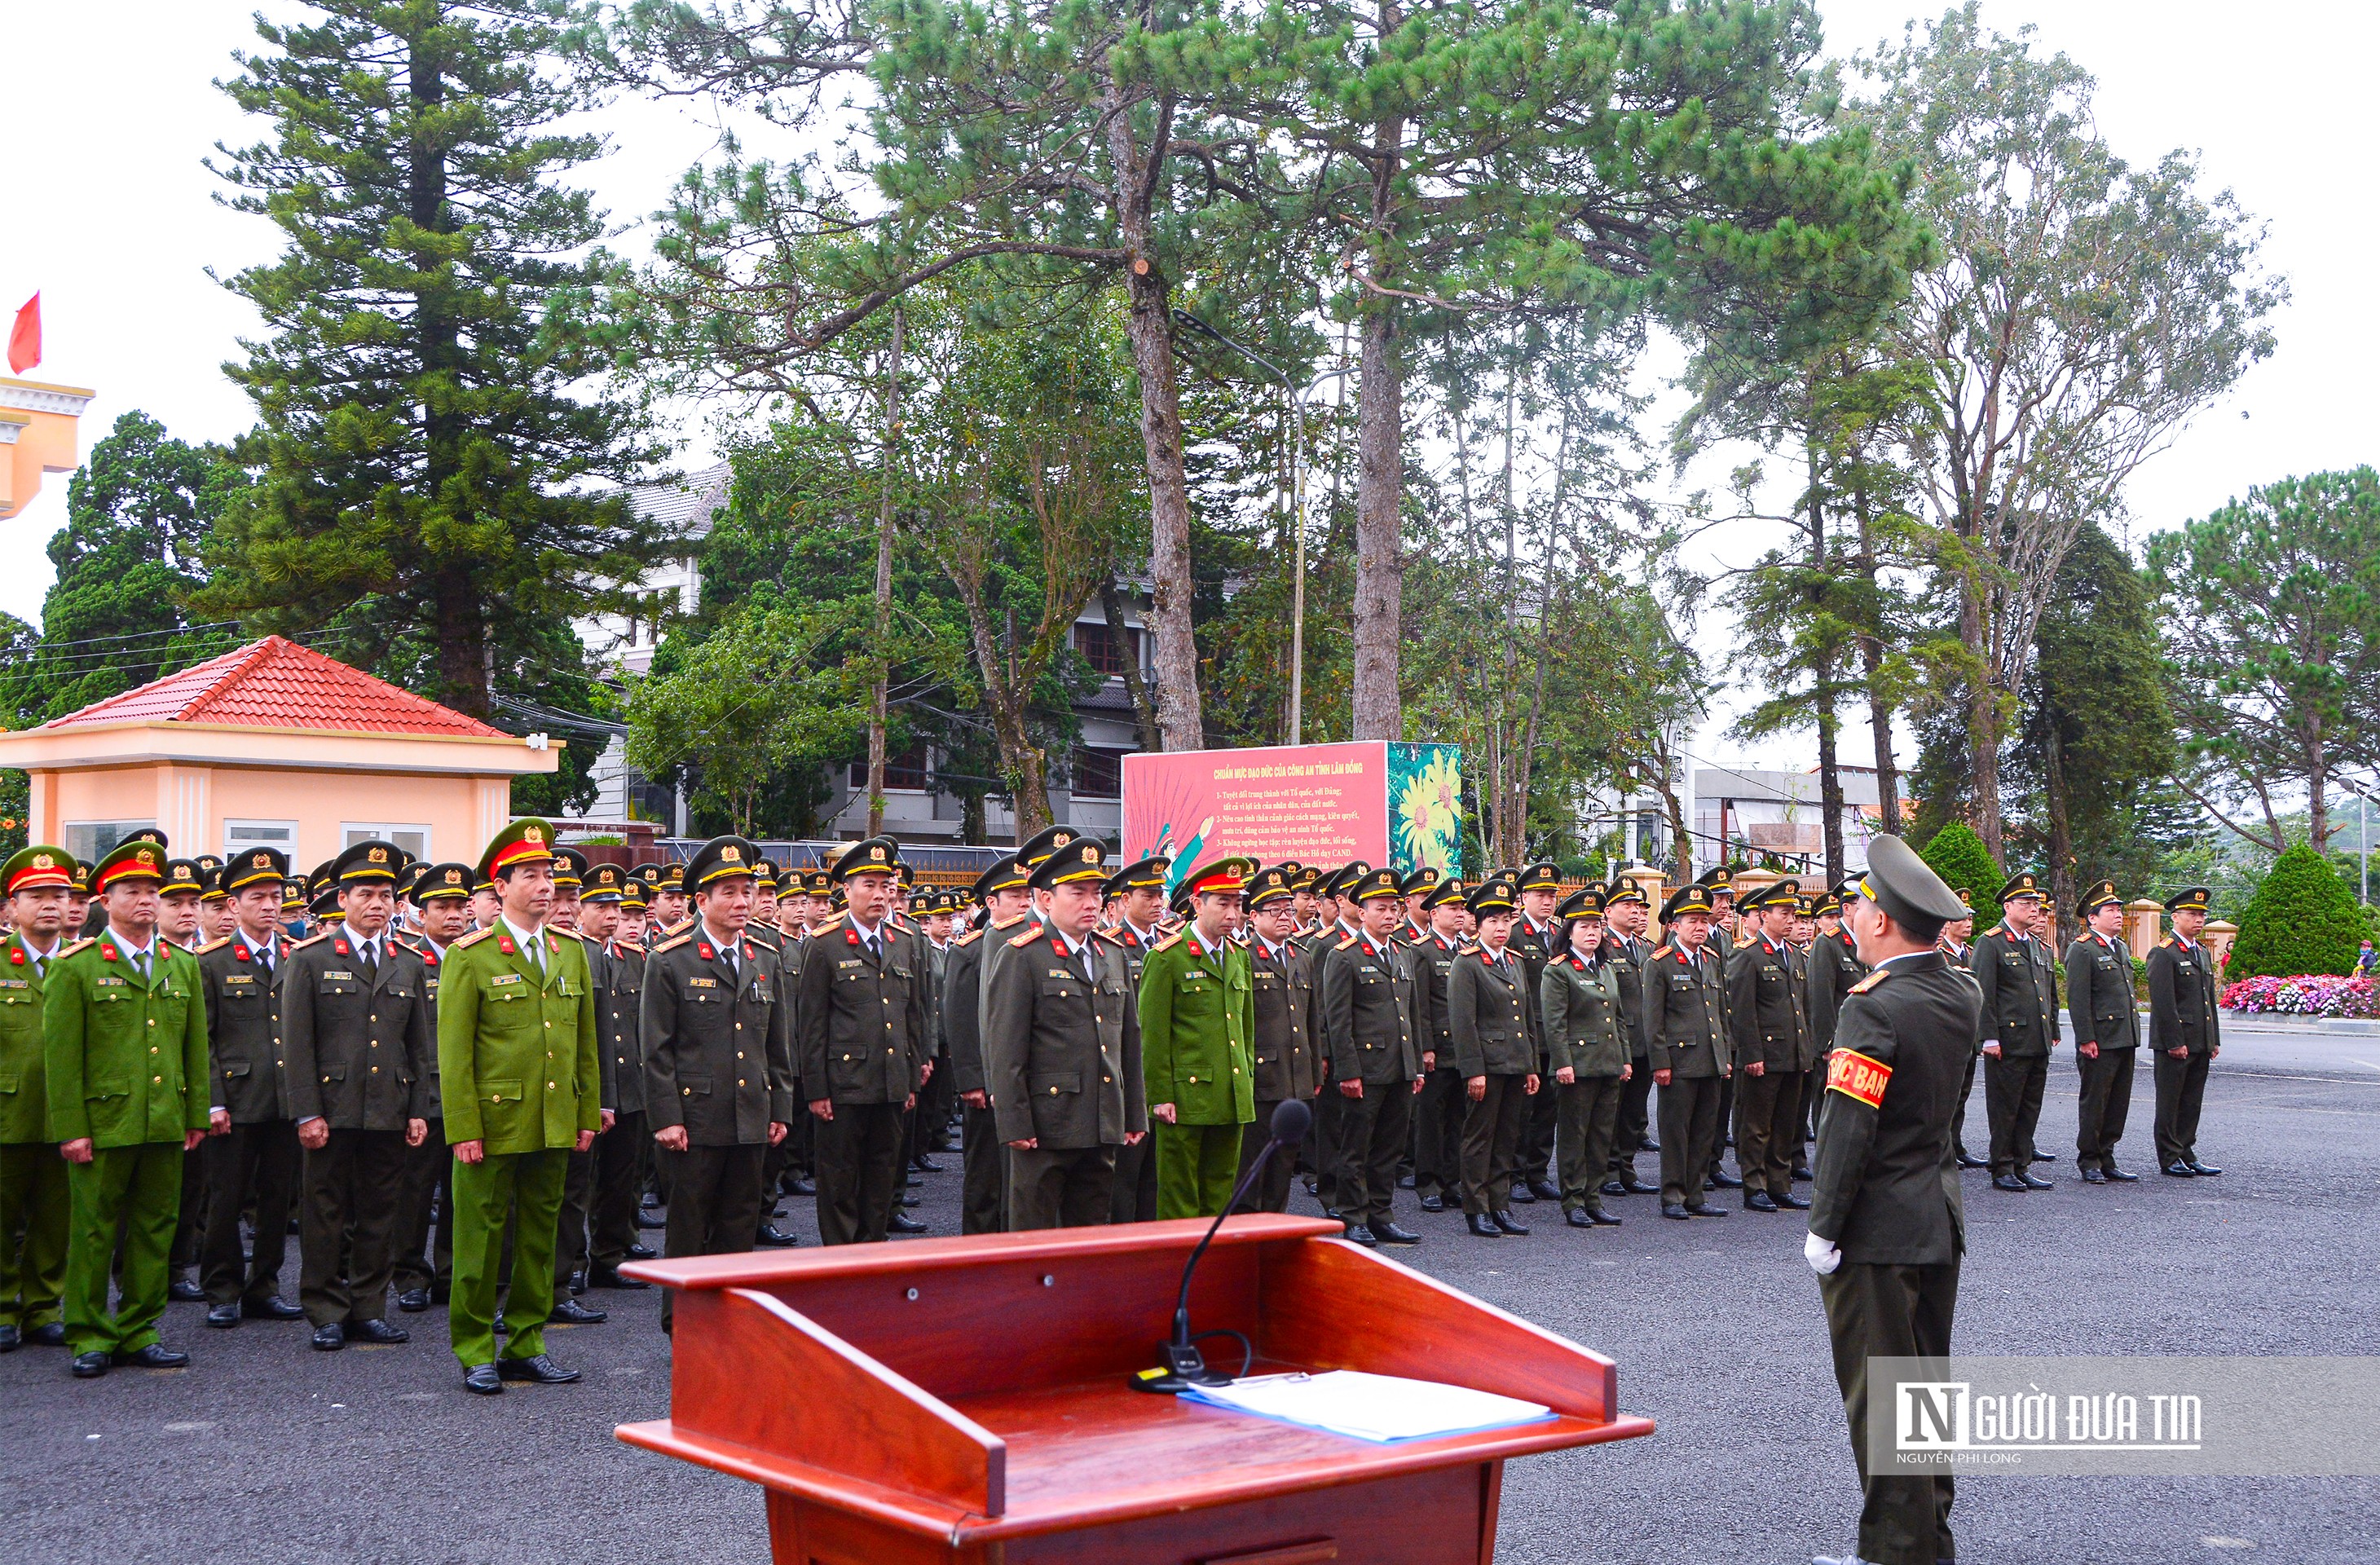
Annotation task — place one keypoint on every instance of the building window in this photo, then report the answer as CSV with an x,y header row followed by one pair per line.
x,y
905,770
1098,774
239,835
413,840
1098,646
89,838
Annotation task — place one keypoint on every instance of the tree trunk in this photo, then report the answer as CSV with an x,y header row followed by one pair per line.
x,y
1871,650
1021,764
1379,472
463,651
883,671
1822,678
2317,790
1983,727
2062,891
1143,714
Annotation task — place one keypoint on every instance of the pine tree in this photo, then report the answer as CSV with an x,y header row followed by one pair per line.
x,y
428,468
2303,919
1965,864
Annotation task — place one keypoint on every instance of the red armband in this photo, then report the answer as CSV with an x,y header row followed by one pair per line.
x,y
1857,1076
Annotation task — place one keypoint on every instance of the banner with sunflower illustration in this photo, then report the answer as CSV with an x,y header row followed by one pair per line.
x,y
1394,803
1426,808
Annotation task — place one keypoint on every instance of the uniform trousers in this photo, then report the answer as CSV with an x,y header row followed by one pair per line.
x,y
1270,1192
983,1176
1438,1132
570,1241
194,1211
1323,1151
33,1208
425,1258
2106,1101
1060,1187
2180,1088
1586,1118
715,1197
135,1191
1689,1110
1535,1155
616,1150
259,1160
1491,1136
346,1224
1135,1197
525,1189
1891,1311
859,1156
1769,1129
1726,1133
1372,1131
2013,1096
1957,1120
1634,1124
1196,1167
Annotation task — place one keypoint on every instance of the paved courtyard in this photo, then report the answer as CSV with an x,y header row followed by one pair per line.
x,y
265,1449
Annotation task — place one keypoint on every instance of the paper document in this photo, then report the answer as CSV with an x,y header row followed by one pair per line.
x,y
1370,1407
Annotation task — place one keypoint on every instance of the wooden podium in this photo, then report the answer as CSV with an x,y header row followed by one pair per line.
x,y
967,1400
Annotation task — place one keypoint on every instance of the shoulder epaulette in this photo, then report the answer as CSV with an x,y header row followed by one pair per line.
x,y
820,929
212,945
1009,923
968,939
1345,944
170,943
670,944
474,937
1027,938
1168,943
765,936
1661,952
84,944
318,939
1870,982
2166,943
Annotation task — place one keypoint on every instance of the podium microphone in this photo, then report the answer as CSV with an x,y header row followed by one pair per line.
x,y
1185,1366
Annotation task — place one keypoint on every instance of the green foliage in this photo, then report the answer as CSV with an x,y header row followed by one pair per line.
x,y
2303,919
1965,864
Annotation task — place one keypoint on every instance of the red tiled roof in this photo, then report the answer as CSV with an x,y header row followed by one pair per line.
x,y
277,684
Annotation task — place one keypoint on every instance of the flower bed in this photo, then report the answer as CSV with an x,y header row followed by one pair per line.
x,y
2308,994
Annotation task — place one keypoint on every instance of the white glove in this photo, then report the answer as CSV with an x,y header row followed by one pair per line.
x,y
1823,1257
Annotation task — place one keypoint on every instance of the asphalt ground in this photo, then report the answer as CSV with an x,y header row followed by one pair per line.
x,y
265,1449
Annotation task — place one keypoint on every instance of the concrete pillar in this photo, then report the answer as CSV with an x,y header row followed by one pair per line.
x,y
2143,925
2217,938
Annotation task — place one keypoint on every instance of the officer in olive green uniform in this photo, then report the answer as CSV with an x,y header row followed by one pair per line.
x,y
2184,1031
1061,1052
984,1169
520,1074
1439,1111
1283,1028
1197,1021
2106,1032
2019,980
258,1157
860,1009
424,1270
1886,1226
1493,1023
37,882
357,1035
1138,888
620,995
1536,939
1366,996
1830,971
1625,913
1686,1035
1580,993
125,1058
1768,1023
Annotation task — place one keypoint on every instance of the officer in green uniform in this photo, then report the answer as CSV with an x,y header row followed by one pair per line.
x,y
1197,1021
609,929
1439,1111
424,1268
1338,924
2019,980
1768,1026
1137,893
1580,993
1830,970
1283,1027
1626,913
1493,1023
124,1056
2106,1032
257,1159
570,1242
2185,1032
1686,1036
1538,939
1886,1228
357,1033
1366,997
1958,949
983,1195
519,1074
38,881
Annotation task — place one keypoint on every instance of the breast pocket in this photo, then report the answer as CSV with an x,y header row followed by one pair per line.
x,y
507,1008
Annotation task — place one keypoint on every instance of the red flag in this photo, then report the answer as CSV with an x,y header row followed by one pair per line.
x,y
25,337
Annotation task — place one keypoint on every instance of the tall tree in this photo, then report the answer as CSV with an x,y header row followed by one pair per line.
x,y
428,462
2085,312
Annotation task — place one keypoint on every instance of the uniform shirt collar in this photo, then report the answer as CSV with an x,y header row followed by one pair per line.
x,y
126,948
269,951
521,935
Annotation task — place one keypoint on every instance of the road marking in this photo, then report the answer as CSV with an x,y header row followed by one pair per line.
x,y
2226,1543
2368,1065
191,1427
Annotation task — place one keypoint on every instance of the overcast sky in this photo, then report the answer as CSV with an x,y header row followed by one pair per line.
x,y
113,217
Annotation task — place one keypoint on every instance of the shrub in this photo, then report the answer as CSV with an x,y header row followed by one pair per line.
x,y
1965,864
2317,994
2303,919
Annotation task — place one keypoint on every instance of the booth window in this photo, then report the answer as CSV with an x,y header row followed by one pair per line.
x,y
905,770
1098,774
1102,652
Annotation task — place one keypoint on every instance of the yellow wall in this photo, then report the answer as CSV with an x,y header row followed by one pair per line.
x,y
191,803
41,418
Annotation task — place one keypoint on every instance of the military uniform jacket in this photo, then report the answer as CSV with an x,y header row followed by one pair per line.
x,y
620,993
718,1045
1431,960
1767,1007
2181,997
357,1045
243,1001
1626,960
2099,993
1367,1012
859,1017
1887,1186
520,1052
24,1104
1832,967
1060,1052
1581,997
2020,987
1533,948
1496,1025
433,968
1197,1018
1283,1024
962,1014
1685,1013
124,1057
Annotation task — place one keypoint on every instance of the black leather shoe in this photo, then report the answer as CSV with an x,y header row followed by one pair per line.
x,y
2201,1171
2118,1176
1648,1145
1634,1186
798,1185
413,1301
9,1339
908,1183
644,1220
543,1370
1521,1195
499,1326
1433,1203
1576,1217
1969,1160
2092,1176
648,1201
1613,1187
330,1339
577,1285
1389,1233
272,1306
1722,1180
903,1223
1672,1210
1482,1226
904,1200
222,1316
2178,1168
1758,1201
2010,1181
1359,1234
89,1366
775,1239
1545,1190
53,1335
1703,1209
182,1290
1802,1169
640,1252
378,1332
156,1356
2044,1157
608,1276
1602,1218
1791,1202
1504,1220
482,1379
923,1164
2034,1181
570,1311
1334,1214
1404,1182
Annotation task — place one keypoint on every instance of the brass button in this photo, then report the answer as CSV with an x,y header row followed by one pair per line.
x,y
739,1054
152,1021
160,1081
549,1087
152,1049
687,1091
375,1070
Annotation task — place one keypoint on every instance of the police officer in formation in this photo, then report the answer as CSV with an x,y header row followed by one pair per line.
x,y
1284,1028
1686,1036
1580,992
1773,1046
1495,1022
2184,1032
1367,987
2017,978
2106,1032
